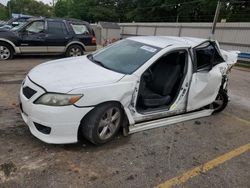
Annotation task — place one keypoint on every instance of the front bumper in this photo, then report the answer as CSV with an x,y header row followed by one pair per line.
x,y
64,121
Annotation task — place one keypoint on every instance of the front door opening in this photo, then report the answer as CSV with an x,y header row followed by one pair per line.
x,y
160,83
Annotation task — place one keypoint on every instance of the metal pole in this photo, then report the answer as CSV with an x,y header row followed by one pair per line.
x,y
216,16
9,10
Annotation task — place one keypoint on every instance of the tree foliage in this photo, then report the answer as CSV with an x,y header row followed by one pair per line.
x,y
30,7
3,13
136,10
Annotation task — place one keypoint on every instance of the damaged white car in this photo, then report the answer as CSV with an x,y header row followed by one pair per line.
x,y
135,84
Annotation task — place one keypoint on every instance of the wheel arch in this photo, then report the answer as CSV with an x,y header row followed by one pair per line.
x,y
14,48
75,43
125,123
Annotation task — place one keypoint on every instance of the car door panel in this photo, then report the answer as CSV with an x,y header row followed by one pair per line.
x,y
33,38
204,88
207,77
33,43
57,36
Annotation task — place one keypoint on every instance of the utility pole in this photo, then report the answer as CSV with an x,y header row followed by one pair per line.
x,y
216,16
9,10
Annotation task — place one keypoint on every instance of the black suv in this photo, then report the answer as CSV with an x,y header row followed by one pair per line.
x,y
48,36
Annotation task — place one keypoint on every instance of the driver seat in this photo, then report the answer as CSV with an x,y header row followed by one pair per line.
x,y
165,76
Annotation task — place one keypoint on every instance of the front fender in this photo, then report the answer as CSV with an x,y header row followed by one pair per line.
x,y
119,91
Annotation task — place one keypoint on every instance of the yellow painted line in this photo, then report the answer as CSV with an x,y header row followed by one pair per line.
x,y
237,118
204,167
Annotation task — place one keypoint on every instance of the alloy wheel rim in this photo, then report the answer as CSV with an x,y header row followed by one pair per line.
x,y
217,104
4,53
109,123
74,52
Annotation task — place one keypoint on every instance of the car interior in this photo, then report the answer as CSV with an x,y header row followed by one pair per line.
x,y
207,56
160,83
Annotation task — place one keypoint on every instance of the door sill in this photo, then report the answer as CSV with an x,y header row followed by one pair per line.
x,y
169,120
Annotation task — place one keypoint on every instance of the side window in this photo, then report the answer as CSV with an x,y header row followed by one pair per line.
x,y
36,27
57,28
207,56
80,29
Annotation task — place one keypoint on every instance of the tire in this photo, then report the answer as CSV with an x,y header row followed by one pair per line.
x,y
220,102
74,51
6,51
98,127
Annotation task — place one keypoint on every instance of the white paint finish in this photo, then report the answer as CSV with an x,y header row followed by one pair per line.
x,y
64,121
64,75
204,87
164,41
79,75
94,95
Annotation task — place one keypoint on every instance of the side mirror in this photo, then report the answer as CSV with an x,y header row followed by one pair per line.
x,y
14,24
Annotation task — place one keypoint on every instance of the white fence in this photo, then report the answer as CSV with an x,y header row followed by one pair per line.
x,y
231,36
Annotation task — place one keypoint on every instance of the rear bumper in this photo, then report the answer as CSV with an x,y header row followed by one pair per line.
x,y
63,121
90,48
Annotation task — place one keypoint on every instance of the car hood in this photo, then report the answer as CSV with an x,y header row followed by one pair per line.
x,y
67,74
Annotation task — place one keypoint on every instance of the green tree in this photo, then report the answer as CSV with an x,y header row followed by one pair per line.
x,y
3,13
30,7
62,8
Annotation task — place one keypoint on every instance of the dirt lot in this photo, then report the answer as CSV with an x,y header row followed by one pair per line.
x,y
145,159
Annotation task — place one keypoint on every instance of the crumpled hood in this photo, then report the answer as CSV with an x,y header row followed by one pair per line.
x,y
64,75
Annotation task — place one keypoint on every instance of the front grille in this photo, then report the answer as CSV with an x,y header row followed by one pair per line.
x,y
28,92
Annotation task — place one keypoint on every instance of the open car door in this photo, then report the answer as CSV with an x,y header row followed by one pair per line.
x,y
207,76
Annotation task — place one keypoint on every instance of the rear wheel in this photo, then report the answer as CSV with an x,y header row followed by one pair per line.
x,y
103,123
6,51
74,51
220,102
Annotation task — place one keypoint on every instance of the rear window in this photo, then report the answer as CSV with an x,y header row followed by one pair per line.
x,y
80,29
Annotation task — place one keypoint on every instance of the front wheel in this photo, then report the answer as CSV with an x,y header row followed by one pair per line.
x,y
103,123
220,102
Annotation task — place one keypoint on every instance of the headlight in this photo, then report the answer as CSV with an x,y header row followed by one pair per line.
x,y
53,99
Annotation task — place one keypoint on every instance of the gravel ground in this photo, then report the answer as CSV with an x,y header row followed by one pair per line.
x,y
144,159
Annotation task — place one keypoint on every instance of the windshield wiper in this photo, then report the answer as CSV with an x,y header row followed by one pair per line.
x,y
90,56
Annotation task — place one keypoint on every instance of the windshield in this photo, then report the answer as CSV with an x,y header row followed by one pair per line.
x,y
125,56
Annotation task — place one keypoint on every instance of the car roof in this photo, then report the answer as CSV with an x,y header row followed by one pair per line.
x,y
164,41
60,19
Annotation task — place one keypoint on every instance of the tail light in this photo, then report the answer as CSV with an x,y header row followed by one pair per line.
x,y
93,40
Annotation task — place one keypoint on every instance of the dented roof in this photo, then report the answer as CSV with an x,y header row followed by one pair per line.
x,y
164,41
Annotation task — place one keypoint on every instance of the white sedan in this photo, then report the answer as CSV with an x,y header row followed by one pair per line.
x,y
135,84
